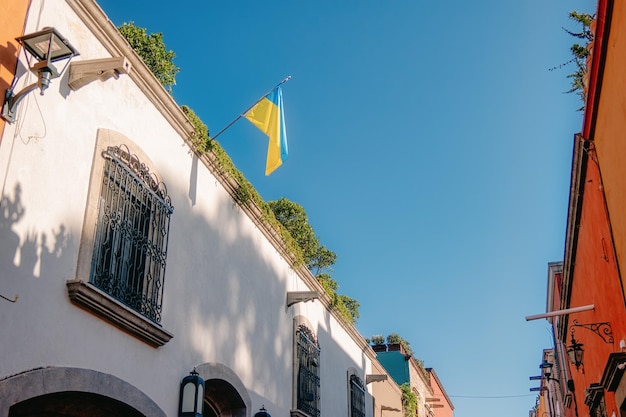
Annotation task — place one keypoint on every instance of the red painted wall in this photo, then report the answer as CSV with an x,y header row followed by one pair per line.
x,y
595,272
609,124
595,280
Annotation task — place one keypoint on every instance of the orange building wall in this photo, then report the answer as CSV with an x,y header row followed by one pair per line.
x,y
595,280
610,132
443,407
12,16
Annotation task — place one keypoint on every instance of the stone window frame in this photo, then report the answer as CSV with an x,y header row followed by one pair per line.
x,y
81,291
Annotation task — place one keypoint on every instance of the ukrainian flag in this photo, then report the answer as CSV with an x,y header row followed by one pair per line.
x,y
267,115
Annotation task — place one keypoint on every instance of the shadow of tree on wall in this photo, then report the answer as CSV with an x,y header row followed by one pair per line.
x,y
12,211
235,304
24,258
224,300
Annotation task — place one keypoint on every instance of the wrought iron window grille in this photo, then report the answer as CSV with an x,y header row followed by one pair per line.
x,y
357,397
308,352
132,230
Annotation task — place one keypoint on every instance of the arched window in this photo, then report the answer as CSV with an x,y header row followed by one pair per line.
x,y
357,397
308,371
130,244
123,244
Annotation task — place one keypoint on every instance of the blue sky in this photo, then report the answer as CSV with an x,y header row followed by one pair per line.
x,y
430,145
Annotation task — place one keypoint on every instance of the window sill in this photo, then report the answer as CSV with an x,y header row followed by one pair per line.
x,y
298,413
106,307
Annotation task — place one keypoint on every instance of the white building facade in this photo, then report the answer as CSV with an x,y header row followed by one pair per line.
x,y
126,261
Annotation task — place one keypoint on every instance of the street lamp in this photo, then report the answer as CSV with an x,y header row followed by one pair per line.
x,y
546,367
575,352
47,46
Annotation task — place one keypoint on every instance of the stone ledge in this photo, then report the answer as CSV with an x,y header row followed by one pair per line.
x,y
106,307
298,413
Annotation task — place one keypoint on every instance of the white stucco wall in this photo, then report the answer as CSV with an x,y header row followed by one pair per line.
x,y
225,285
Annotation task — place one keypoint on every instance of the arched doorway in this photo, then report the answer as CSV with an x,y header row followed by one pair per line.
x,y
72,404
72,392
224,393
222,400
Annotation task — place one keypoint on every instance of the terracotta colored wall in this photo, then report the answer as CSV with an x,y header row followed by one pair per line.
x,y
443,407
611,129
595,281
12,15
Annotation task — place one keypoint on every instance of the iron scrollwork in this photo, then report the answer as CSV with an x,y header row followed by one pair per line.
x,y
602,329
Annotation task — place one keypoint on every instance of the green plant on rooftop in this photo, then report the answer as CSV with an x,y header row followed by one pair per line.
x,y
580,53
395,338
317,257
378,339
151,49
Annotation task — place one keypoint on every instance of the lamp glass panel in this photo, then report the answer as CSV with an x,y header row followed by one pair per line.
x,y
200,398
575,354
579,355
189,397
38,43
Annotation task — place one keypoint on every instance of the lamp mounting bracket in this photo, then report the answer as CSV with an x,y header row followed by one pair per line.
x,y
602,329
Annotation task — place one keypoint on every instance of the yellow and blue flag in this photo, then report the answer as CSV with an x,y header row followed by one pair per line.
x,y
268,116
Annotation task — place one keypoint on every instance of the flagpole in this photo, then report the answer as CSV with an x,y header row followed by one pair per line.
x,y
287,78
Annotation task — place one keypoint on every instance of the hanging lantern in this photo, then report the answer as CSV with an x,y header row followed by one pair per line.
x,y
191,396
575,352
262,413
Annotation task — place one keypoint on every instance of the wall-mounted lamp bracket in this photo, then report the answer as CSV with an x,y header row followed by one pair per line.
x,y
602,329
294,297
375,378
82,73
45,72
47,46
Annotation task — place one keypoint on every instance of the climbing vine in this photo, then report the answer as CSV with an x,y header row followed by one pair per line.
x,y
409,400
